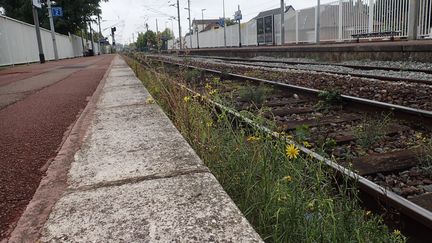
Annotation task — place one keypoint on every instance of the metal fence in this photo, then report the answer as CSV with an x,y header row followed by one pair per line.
x,y
18,43
339,20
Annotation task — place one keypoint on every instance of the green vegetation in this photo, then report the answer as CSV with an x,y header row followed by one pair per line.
x,y
329,99
254,94
286,196
425,152
371,130
76,13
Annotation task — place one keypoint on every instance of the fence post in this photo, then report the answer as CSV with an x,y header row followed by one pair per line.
x,y
297,26
317,22
340,20
413,19
371,16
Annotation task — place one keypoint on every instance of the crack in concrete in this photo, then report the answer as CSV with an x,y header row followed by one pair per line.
x,y
136,180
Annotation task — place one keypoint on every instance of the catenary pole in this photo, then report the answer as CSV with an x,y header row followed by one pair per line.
x,y
190,25
282,22
53,36
100,34
225,42
38,35
179,24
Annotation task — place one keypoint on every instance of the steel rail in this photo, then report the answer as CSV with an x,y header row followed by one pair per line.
x,y
378,104
361,67
401,204
379,77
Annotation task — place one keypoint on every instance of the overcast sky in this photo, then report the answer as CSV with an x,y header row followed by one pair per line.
x,y
130,16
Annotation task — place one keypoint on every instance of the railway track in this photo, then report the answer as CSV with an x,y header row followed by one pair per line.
x,y
322,68
412,95
335,129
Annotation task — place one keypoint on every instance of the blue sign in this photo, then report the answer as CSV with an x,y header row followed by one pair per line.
x,y
57,11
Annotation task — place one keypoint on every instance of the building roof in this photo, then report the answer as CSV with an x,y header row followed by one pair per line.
x,y
271,12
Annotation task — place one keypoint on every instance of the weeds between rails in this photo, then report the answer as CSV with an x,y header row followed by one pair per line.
x,y
286,200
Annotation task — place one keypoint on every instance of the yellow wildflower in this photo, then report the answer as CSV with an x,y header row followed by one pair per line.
x,y
310,206
208,86
186,99
209,124
252,139
396,232
307,144
213,92
150,100
287,178
292,151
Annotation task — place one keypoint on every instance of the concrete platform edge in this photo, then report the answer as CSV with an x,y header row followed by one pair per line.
x,y
54,183
146,184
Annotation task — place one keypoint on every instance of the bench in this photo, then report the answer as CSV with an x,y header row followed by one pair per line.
x,y
392,34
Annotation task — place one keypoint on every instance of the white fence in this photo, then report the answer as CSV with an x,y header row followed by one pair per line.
x,y
339,20
18,43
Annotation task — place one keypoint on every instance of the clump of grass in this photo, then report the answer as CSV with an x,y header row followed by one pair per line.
x,y
329,99
254,94
287,197
194,75
371,130
425,153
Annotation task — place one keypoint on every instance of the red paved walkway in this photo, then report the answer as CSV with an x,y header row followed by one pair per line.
x,y
38,103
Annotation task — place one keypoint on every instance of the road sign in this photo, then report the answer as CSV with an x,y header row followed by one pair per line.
x,y
37,3
57,12
238,15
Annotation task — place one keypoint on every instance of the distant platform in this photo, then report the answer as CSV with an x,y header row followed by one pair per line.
x,y
400,50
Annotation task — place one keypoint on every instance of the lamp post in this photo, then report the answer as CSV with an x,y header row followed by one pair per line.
x,y
53,36
38,35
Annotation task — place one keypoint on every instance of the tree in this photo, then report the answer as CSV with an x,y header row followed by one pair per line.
x,y
168,34
230,22
76,13
146,41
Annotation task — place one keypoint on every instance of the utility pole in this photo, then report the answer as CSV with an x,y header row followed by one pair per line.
x,y
100,35
413,19
197,32
91,37
223,3
190,25
317,22
38,35
238,16
179,25
282,22
53,36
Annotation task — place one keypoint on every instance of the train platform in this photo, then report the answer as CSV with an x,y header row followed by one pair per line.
x,y
401,50
125,173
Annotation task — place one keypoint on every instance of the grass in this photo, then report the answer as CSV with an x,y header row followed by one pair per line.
x,y
371,130
286,200
253,94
